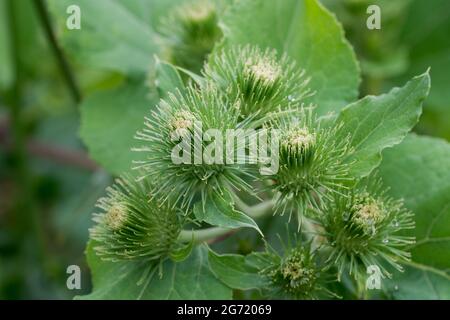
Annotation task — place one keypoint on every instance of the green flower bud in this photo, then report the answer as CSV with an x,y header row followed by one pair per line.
x,y
261,79
363,227
178,129
297,274
297,146
312,164
133,225
190,33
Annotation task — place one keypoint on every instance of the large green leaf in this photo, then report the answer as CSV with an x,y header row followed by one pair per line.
x,y
306,31
190,279
240,272
112,36
109,121
219,211
426,34
151,11
376,123
167,78
418,170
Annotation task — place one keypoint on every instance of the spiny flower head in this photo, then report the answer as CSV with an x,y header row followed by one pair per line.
x,y
296,274
312,163
132,225
261,79
363,227
190,33
178,127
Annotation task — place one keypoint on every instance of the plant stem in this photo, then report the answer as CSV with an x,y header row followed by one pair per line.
x,y
257,211
361,291
202,235
62,61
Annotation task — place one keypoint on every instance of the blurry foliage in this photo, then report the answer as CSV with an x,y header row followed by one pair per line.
x,y
45,197
413,37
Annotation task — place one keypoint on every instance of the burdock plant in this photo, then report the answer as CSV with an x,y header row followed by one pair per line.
x,y
284,80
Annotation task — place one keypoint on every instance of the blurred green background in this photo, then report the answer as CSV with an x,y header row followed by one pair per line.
x,y
48,184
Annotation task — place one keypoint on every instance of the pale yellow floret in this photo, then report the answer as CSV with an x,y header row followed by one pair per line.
x,y
368,214
116,216
300,138
264,70
197,12
295,272
182,120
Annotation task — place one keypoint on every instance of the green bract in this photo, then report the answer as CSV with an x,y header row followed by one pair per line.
x,y
133,225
